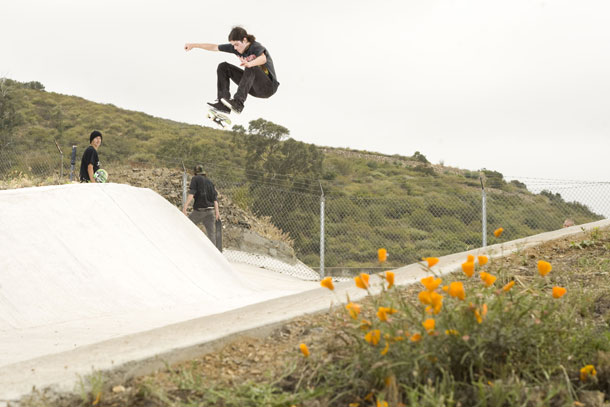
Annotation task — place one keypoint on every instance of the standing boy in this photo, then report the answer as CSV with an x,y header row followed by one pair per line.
x,y
90,162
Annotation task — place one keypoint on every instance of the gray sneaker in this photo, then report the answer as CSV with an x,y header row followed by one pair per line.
x,y
234,105
220,107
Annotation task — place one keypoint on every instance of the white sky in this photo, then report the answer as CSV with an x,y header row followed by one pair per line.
x,y
517,86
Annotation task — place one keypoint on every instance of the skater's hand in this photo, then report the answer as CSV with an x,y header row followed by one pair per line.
x,y
245,63
188,47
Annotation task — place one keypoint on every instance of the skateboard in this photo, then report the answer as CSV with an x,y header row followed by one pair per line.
x,y
219,118
218,235
100,176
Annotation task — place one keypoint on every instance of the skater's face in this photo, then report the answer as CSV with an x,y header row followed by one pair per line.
x,y
96,142
240,46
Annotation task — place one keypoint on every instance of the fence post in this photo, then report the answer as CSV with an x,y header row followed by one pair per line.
x,y
184,179
61,161
321,231
483,213
72,162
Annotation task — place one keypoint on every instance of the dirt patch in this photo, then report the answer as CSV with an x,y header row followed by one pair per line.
x,y
241,229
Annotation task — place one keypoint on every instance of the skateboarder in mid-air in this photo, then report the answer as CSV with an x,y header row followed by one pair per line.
x,y
258,77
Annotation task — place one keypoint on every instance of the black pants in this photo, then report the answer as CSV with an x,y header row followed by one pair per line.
x,y
207,218
250,81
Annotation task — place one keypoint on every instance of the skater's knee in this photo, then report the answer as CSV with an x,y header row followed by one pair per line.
x,y
223,67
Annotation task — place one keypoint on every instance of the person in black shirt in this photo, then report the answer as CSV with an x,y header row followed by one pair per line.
x,y
90,162
205,208
258,78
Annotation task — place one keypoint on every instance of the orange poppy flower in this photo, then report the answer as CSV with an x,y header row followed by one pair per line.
x,y
436,301
468,268
415,337
304,349
508,286
328,283
456,289
544,267
386,348
389,277
362,281
431,261
429,324
382,313
586,371
424,297
470,258
431,283
488,279
482,260
382,255
478,316
373,337
354,309
498,232
559,292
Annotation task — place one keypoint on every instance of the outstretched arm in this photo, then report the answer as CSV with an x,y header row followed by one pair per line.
x,y
207,47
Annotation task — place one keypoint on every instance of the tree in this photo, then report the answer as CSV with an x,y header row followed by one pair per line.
x,y
9,117
270,157
417,156
279,171
35,85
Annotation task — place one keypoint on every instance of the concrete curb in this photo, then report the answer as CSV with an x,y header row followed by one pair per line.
x,y
142,353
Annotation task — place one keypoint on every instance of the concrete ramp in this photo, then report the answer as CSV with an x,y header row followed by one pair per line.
x,y
84,263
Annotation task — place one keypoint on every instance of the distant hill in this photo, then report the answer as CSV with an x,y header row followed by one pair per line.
x,y
372,200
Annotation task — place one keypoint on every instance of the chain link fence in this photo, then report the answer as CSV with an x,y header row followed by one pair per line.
x,y
296,228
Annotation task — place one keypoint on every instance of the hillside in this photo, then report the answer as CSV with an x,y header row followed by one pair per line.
x,y
405,204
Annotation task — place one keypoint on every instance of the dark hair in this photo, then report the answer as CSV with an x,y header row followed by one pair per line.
x,y
95,134
239,33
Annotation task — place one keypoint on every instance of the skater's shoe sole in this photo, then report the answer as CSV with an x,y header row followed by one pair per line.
x,y
220,107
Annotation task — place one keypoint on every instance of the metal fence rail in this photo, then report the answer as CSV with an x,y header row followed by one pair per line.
x,y
340,234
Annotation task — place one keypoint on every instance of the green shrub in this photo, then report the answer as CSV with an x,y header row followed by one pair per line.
x,y
498,345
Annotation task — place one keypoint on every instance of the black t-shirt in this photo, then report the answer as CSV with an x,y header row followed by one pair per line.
x,y
254,50
203,190
89,157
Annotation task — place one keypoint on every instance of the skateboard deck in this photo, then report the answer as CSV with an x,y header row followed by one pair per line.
x,y
101,176
219,234
219,118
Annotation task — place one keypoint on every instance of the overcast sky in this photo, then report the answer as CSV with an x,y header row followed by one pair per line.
x,y
517,86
